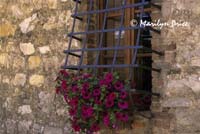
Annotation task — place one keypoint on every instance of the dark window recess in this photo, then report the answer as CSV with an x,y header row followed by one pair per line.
x,y
119,45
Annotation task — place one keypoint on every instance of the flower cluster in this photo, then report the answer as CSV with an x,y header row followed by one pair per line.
x,y
93,100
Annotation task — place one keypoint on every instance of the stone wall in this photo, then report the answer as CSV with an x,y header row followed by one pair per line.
x,y
32,40
177,111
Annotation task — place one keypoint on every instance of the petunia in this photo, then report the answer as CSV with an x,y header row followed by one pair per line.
x,y
86,86
87,111
123,105
109,103
118,86
108,77
73,102
94,128
111,96
75,88
86,95
73,111
96,92
124,117
76,127
64,85
97,100
86,76
64,73
106,120
123,95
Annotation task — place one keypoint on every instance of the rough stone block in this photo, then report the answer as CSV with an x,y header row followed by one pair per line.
x,y
27,48
53,130
36,80
34,62
20,79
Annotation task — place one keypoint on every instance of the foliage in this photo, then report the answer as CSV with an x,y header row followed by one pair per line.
x,y
93,100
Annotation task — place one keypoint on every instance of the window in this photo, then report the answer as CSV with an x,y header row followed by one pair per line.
x,y
117,44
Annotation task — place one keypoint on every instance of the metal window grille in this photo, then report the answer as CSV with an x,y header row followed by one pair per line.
x,y
83,37
73,35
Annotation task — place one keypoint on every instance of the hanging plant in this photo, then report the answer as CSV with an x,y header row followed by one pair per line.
x,y
94,101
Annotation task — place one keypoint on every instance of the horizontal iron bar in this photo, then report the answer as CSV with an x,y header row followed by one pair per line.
x,y
105,30
99,66
70,53
76,17
154,51
74,37
104,48
111,9
79,1
74,67
149,68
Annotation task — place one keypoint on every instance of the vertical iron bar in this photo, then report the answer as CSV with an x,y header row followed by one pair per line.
x,y
70,40
86,36
137,42
120,32
101,37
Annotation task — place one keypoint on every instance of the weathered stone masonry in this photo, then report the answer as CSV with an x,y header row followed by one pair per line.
x,y
32,39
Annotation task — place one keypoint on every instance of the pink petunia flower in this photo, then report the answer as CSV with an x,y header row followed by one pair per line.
x,y
64,85
76,127
64,73
108,77
87,111
73,111
109,103
75,88
97,92
123,95
73,102
95,128
118,86
123,105
111,96
106,120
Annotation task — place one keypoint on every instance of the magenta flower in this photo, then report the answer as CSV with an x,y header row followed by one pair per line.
x,y
108,78
76,127
87,111
118,86
86,76
124,117
73,111
86,85
86,94
102,82
109,103
96,92
75,88
73,102
123,94
64,73
64,85
111,96
118,115
95,128
106,120
123,105
97,101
